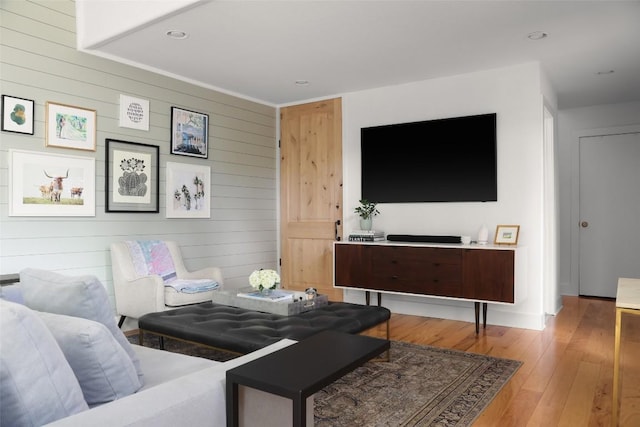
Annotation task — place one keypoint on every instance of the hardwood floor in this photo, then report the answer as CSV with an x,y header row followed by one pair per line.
x,y
567,375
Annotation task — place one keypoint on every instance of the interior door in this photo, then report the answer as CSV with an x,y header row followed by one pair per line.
x,y
310,194
609,212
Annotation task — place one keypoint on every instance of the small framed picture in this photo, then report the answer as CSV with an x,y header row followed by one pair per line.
x,y
17,115
134,113
188,191
507,234
44,184
70,127
189,133
132,177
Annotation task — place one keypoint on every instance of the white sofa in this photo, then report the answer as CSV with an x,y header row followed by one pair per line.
x,y
64,362
178,390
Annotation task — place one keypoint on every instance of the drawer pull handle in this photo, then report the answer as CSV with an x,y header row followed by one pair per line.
x,y
394,277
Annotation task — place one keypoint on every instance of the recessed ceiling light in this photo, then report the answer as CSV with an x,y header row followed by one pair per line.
x,y
177,34
302,82
537,35
604,73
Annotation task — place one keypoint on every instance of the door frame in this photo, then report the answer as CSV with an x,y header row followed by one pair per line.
x,y
575,193
278,179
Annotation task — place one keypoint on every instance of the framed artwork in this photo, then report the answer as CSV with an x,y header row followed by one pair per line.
x,y
17,115
134,113
189,133
70,127
132,177
188,191
507,234
44,184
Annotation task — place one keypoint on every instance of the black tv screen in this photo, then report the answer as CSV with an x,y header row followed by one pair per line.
x,y
444,160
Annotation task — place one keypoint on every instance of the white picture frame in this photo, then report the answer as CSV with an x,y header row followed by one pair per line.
x,y
46,184
188,190
134,113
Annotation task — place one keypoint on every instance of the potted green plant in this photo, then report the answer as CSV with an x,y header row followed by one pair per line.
x,y
367,210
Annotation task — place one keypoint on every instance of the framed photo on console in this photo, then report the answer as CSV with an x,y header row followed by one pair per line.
x,y
507,234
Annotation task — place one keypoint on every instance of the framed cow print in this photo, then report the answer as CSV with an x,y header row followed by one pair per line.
x,y
45,184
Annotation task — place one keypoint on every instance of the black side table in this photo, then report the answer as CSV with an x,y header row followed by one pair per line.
x,y
300,370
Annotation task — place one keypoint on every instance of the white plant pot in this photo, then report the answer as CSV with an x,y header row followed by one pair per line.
x,y
365,224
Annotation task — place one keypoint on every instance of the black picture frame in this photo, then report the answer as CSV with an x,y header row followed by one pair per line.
x,y
17,115
189,133
132,177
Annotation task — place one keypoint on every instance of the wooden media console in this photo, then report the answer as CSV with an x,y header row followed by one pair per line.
x,y
472,272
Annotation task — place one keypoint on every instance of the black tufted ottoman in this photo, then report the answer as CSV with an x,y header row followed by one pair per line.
x,y
242,331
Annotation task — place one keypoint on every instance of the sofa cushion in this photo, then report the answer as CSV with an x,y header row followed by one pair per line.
x,y
37,385
104,370
12,293
79,296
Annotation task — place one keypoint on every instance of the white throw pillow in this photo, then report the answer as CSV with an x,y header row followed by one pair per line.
x,y
37,385
78,296
104,370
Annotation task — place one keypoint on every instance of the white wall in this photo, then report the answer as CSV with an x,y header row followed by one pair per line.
x,y
40,62
571,123
515,94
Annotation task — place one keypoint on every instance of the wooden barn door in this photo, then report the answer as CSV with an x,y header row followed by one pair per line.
x,y
310,194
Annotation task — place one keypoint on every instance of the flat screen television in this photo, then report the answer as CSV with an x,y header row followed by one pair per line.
x,y
445,160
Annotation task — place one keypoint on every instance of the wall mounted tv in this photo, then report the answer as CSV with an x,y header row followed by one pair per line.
x,y
445,160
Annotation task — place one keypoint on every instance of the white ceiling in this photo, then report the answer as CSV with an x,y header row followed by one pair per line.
x,y
258,49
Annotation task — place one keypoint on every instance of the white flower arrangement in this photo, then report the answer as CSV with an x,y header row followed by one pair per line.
x,y
264,279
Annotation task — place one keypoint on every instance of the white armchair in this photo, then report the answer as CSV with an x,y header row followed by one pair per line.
x,y
137,295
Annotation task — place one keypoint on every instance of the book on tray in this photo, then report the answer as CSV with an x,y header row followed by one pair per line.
x,y
273,296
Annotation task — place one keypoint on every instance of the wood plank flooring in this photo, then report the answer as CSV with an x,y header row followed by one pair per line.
x,y
567,375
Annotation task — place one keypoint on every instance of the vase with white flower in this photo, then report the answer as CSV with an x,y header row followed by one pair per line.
x,y
264,281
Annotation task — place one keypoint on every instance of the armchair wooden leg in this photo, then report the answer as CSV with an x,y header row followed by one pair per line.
x,y
121,321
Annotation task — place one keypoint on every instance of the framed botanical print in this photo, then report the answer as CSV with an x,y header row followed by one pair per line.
x,y
132,177
188,191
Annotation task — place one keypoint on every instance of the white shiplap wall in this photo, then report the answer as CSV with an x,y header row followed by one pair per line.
x,y
39,61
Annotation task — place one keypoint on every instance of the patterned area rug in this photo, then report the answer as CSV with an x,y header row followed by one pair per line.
x,y
419,386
